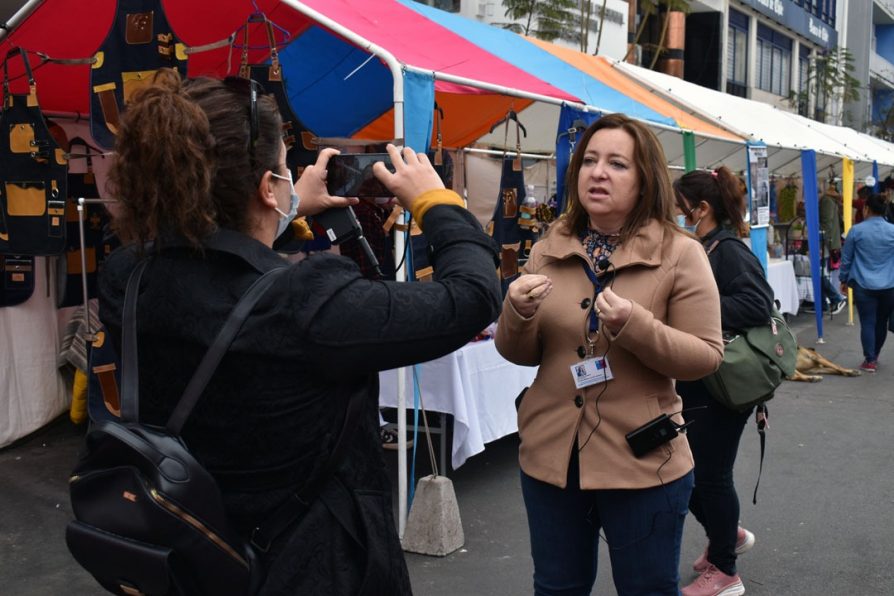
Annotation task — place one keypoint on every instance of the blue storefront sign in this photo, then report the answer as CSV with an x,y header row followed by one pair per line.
x,y
789,14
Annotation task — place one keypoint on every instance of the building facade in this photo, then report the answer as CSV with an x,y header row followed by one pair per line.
x,y
612,42
761,49
870,39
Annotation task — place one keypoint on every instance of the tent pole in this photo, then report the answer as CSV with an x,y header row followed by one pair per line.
x,y
16,19
396,69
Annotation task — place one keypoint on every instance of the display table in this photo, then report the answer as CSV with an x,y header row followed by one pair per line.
x,y
475,385
781,277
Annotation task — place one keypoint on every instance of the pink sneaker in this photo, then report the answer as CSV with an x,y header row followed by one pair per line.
x,y
714,582
744,542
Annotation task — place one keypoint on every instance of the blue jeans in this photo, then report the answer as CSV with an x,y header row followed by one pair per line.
x,y
714,439
643,529
874,307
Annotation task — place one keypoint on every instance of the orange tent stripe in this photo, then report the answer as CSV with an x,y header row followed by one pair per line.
x,y
601,69
466,118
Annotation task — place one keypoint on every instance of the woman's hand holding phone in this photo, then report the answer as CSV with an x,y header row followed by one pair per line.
x,y
311,188
413,175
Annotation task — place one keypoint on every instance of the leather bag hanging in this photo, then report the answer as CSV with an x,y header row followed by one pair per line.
x,y
139,43
300,148
33,171
17,283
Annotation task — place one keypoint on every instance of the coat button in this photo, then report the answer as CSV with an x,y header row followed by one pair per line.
x,y
578,401
581,351
585,303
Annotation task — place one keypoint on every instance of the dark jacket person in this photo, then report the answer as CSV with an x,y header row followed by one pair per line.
x,y
201,173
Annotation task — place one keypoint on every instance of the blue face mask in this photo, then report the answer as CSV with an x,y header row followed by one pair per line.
x,y
286,218
681,221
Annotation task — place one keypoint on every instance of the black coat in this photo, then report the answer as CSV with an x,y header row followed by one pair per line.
x,y
746,297
276,403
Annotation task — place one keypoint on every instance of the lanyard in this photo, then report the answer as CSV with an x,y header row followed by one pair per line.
x,y
597,288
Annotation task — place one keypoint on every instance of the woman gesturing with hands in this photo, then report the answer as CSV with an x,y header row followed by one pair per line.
x,y
616,302
528,292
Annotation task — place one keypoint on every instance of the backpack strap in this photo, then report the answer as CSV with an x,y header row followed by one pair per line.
x,y
130,402
216,352
761,417
130,378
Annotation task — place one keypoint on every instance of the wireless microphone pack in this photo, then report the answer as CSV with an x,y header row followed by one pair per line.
x,y
652,434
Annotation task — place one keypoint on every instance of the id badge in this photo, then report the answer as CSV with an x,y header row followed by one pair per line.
x,y
591,371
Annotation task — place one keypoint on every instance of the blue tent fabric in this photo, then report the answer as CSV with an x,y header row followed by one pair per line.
x,y
565,142
811,206
335,88
419,102
878,183
515,50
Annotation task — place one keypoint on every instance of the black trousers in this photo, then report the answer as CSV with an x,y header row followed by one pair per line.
x,y
714,439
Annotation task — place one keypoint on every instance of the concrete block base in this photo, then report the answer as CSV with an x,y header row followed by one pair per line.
x,y
434,526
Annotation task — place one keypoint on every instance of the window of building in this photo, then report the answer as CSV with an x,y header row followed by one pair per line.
x,y
821,9
737,54
803,79
774,58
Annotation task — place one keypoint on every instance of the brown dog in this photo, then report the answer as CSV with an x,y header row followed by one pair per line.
x,y
811,365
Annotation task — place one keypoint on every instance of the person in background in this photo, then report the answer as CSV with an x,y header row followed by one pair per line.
x,y
830,224
614,304
710,203
867,266
201,172
863,193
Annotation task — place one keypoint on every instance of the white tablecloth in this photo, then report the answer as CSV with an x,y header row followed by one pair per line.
x,y
32,390
781,277
475,385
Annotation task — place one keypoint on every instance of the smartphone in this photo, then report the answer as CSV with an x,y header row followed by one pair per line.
x,y
351,175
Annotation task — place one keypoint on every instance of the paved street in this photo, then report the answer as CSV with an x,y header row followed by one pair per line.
x,y
824,520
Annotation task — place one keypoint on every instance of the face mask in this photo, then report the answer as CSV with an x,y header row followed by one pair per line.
x,y
681,221
286,218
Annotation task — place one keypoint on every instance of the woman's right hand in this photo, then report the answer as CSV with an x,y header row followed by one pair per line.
x,y
313,196
528,292
413,175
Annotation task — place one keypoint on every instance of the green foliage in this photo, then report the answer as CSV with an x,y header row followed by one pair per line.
x,y
543,19
829,78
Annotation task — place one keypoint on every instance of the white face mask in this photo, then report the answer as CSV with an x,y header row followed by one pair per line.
x,y
286,218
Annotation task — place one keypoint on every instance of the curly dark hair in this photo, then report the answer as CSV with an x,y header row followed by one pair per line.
x,y
185,164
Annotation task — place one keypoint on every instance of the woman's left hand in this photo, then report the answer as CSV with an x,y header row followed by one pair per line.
x,y
613,310
311,188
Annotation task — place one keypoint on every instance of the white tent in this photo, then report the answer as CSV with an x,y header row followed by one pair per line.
x,y
784,133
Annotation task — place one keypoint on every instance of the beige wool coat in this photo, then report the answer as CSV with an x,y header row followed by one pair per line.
x,y
673,333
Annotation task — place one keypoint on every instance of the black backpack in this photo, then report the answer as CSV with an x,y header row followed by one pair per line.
x,y
150,518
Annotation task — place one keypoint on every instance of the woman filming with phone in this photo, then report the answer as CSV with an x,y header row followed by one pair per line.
x,y
204,188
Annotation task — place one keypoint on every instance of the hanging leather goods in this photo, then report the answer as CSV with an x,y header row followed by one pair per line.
x,y
97,241
139,43
17,283
33,171
300,148
439,151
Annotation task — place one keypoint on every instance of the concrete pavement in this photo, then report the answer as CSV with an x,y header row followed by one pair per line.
x,y
824,520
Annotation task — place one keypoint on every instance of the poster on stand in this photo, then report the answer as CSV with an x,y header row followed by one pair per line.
x,y
759,185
